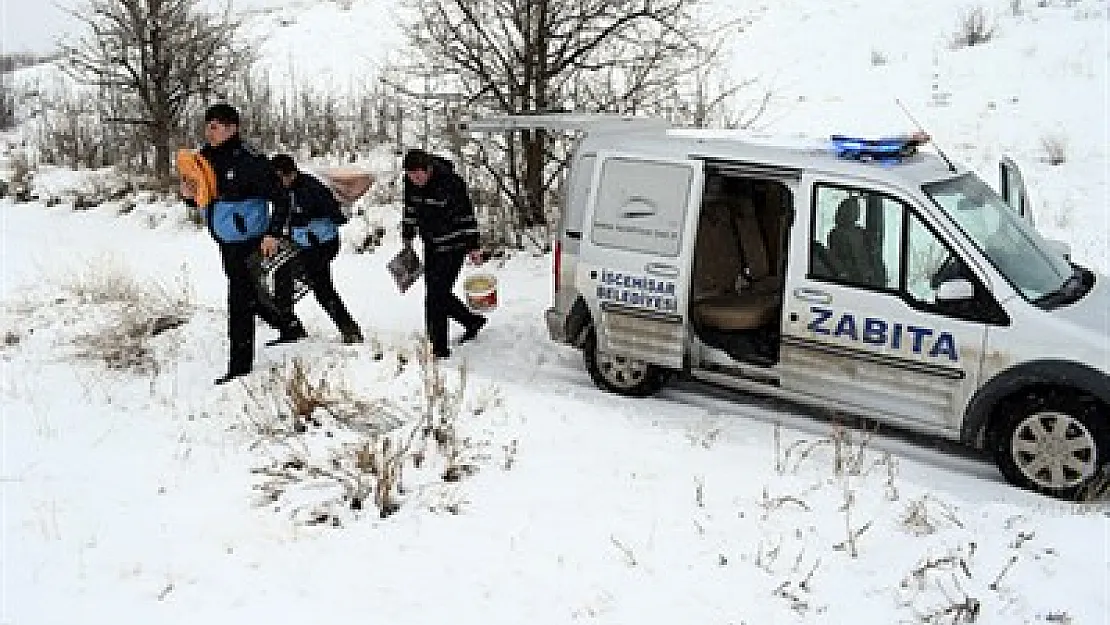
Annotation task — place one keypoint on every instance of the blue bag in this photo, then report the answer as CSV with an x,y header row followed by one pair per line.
x,y
319,230
233,222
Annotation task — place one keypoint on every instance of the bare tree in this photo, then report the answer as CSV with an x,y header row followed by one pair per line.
x,y
7,101
159,55
527,56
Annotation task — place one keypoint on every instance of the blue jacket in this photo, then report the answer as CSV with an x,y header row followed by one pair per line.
x,y
245,184
313,215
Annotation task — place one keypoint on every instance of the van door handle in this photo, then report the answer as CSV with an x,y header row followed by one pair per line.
x,y
662,270
812,295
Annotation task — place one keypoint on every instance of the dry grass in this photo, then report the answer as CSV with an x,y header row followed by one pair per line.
x,y
348,452
128,315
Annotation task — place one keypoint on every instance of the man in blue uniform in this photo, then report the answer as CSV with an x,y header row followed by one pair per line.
x,y
239,221
312,221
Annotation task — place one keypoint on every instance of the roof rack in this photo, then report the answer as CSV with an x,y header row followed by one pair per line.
x,y
586,122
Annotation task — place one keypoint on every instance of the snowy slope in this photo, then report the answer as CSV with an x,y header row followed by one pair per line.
x,y
332,45
129,498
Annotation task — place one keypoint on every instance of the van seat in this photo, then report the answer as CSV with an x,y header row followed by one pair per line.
x,y
717,261
737,311
719,304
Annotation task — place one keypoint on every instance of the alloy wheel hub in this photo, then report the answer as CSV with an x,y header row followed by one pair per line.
x,y
623,372
1054,449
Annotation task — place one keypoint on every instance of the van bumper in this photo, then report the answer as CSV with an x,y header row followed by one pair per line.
x,y
556,325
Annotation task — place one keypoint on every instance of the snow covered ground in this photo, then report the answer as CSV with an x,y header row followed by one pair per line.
x,y
147,495
130,498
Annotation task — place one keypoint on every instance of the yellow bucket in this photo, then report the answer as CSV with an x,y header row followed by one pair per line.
x,y
481,291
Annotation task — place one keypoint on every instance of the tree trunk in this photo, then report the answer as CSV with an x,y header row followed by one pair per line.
x,y
534,140
161,136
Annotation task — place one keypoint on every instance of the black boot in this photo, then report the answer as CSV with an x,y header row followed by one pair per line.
x,y
472,330
232,373
352,336
227,377
292,334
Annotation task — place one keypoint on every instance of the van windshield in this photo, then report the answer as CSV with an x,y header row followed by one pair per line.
x,y
1018,252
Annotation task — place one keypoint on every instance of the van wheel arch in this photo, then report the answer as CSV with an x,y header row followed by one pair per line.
x,y
1066,393
1019,381
1054,440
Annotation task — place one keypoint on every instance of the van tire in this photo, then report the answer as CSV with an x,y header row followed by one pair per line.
x,y
1054,442
620,375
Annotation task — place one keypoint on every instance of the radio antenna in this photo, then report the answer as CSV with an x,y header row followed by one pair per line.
x,y
921,129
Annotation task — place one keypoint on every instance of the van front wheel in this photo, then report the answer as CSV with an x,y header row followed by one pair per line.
x,y
1054,444
621,375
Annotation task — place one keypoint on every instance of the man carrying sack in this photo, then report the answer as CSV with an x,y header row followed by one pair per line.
x,y
312,221
438,207
233,184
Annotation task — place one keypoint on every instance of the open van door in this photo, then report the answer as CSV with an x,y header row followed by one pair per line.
x,y
1012,189
639,236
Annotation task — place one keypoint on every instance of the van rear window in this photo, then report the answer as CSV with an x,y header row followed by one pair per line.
x,y
641,205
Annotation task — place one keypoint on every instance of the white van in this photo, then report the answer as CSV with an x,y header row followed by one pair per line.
x,y
903,289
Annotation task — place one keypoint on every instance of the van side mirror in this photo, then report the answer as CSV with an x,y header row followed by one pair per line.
x,y
955,290
1059,247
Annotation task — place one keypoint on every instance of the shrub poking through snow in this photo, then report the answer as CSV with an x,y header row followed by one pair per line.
x,y
974,27
11,338
1055,149
333,455
1099,488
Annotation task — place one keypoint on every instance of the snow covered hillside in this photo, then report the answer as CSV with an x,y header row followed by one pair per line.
x,y
133,491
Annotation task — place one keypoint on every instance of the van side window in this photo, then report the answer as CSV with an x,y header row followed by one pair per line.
x,y
928,263
578,193
641,205
856,238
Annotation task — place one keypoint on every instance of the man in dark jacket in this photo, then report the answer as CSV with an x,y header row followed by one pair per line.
x,y
239,221
438,207
312,221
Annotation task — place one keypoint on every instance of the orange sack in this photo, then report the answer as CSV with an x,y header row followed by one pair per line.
x,y
196,169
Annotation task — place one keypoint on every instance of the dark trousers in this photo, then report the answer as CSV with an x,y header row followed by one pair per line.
x,y
441,270
244,303
313,264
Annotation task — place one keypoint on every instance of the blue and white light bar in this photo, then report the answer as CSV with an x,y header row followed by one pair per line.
x,y
881,149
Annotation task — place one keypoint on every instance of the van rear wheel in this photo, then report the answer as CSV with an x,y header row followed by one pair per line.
x,y
1054,444
619,374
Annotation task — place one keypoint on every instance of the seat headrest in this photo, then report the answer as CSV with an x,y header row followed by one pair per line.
x,y
746,206
847,213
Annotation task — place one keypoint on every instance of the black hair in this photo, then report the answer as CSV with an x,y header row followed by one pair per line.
x,y
416,159
284,164
223,113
